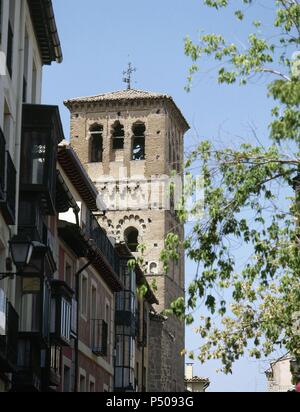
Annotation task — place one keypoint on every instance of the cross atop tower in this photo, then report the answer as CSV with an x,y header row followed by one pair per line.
x,y
127,75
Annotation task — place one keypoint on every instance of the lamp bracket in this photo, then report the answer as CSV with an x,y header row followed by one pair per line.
x,y
8,275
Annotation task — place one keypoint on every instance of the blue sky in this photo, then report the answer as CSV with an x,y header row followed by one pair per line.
x,y
100,37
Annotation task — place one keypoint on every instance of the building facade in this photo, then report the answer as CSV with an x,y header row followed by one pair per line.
x,y
90,266
279,375
194,383
130,143
75,315
28,40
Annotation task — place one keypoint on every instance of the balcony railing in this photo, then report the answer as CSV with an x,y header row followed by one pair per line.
x,y
9,321
99,337
2,165
125,315
96,233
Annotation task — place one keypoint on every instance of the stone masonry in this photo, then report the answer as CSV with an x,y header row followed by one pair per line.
x,y
133,191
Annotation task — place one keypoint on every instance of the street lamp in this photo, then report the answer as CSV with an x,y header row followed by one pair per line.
x,y
27,255
21,252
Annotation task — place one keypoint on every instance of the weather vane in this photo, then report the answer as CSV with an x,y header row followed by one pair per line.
x,y
127,75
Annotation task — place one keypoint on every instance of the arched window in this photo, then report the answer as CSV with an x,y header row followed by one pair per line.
x,y
96,144
131,236
138,143
118,135
153,268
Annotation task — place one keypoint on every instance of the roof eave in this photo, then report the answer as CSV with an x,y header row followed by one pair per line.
x,y
73,168
85,100
43,20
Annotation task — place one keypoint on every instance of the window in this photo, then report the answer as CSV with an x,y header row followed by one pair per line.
x,y
118,135
82,382
94,302
144,379
65,320
33,83
10,37
25,76
2,312
1,14
96,144
92,384
131,238
74,316
125,362
107,320
55,359
68,274
153,268
67,379
93,313
137,375
30,305
84,295
8,122
138,143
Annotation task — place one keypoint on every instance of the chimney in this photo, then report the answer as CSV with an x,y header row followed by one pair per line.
x,y
189,371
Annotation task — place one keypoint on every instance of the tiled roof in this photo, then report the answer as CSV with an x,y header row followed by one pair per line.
x,y
125,95
197,379
128,94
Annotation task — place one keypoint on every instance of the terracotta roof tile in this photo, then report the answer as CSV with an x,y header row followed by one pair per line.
x,y
125,95
197,379
128,94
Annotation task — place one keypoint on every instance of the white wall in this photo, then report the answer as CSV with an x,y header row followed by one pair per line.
x,y
11,98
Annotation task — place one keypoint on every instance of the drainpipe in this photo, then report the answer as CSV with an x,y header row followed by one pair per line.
x,y
76,346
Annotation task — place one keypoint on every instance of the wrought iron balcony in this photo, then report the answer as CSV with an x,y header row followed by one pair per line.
x,y
125,316
96,233
8,204
99,337
2,165
9,321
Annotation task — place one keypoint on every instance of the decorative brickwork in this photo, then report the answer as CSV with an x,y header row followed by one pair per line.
x,y
159,151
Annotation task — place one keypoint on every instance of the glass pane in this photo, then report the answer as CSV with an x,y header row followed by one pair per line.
x,y
34,147
30,313
2,312
119,377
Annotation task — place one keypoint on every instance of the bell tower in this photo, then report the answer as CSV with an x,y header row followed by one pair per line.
x,y
131,142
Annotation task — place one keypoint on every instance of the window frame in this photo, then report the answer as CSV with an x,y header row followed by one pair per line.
x,y
66,363
138,139
93,381
84,310
96,132
118,141
82,374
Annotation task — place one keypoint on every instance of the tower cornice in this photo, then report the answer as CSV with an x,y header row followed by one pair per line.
x,y
128,97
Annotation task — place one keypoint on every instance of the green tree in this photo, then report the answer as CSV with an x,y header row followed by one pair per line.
x,y
256,308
